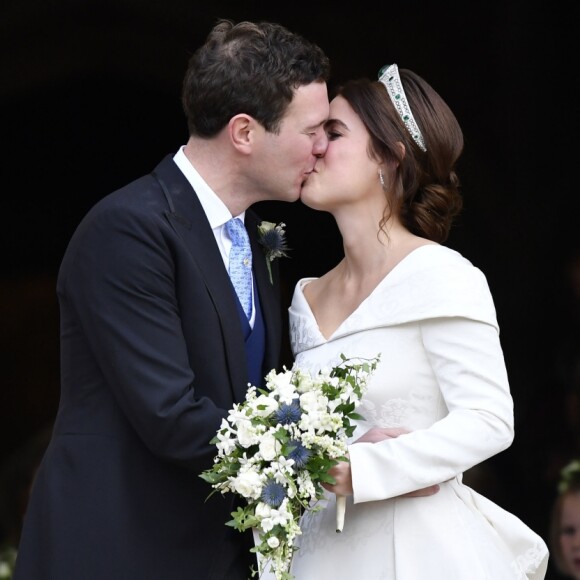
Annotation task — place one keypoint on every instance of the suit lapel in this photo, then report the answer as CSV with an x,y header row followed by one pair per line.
x,y
187,217
268,293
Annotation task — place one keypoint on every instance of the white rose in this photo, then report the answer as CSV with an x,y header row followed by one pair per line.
x,y
269,405
273,542
247,434
248,483
269,447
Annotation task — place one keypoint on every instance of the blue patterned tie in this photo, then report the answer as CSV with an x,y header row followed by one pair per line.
x,y
240,267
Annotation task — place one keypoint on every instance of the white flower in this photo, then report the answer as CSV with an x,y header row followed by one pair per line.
x,y
305,486
270,517
226,439
263,406
247,434
269,447
305,382
273,542
236,413
313,402
282,386
248,483
262,510
265,515
280,470
225,445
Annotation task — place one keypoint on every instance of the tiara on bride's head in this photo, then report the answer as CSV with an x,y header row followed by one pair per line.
x,y
389,76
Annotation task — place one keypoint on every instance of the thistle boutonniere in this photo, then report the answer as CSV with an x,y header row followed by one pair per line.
x,y
272,237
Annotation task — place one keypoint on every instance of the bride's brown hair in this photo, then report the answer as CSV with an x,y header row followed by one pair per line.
x,y
425,192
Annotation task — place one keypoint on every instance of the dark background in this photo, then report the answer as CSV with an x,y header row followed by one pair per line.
x,y
90,99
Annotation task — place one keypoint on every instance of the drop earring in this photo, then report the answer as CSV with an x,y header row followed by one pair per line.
x,y
381,178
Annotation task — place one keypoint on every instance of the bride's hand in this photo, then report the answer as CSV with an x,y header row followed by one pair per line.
x,y
343,476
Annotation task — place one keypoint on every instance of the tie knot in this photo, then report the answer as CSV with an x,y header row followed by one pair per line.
x,y
237,232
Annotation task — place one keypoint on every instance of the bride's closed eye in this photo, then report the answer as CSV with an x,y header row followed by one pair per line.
x,y
333,135
334,129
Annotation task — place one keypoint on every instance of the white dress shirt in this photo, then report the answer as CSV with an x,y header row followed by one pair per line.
x,y
215,209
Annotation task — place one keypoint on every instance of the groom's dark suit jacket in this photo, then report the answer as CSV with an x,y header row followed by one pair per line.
x,y
152,357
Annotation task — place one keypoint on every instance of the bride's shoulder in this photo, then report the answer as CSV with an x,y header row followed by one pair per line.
x,y
303,284
436,262
315,286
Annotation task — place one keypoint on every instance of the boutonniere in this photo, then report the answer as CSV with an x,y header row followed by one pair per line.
x,y
272,237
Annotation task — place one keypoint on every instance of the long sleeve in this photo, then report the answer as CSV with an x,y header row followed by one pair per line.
x,y
467,361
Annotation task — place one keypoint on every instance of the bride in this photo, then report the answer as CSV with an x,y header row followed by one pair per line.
x,y
388,178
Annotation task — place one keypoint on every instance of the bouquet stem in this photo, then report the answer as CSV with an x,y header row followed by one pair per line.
x,y
340,511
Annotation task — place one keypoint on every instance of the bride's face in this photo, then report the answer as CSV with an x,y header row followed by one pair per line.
x,y
346,174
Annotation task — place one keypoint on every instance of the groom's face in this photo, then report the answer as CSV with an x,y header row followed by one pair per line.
x,y
287,158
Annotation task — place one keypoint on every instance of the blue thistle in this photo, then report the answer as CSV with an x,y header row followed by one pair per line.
x,y
288,414
273,493
274,242
272,238
299,454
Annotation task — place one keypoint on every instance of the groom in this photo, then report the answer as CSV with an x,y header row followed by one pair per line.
x,y
155,345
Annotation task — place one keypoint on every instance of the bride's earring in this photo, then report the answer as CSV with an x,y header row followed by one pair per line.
x,y
381,178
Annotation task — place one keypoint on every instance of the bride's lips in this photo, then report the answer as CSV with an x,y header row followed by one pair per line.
x,y
306,176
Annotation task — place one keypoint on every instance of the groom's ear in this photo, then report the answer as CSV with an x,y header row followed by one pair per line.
x,y
241,130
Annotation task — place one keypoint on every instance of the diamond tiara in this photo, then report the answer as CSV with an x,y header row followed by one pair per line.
x,y
389,76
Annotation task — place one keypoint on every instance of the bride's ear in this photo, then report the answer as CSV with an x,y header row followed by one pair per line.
x,y
401,148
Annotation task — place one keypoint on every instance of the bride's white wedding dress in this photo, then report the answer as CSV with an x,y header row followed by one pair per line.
x,y
442,375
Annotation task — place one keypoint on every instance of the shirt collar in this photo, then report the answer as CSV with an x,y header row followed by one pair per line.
x,y
215,209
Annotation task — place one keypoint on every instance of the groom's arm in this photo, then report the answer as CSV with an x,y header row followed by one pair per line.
x,y
120,279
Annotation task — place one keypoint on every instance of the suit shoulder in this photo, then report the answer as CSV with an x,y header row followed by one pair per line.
x,y
138,196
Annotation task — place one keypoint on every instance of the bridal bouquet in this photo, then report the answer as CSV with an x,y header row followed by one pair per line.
x,y
275,450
